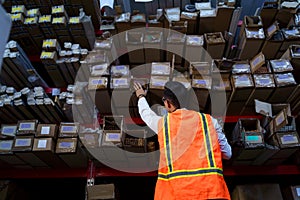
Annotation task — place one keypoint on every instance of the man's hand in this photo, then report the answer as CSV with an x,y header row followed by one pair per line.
x,y
139,91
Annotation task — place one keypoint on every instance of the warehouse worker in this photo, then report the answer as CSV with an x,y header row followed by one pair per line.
x,y
192,146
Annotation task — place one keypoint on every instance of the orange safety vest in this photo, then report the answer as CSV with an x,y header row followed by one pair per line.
x,y
190,166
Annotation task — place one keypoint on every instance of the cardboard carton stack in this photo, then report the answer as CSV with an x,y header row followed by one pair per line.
x,y
251,37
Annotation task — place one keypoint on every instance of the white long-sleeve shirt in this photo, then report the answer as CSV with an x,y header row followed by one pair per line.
x,y
151,119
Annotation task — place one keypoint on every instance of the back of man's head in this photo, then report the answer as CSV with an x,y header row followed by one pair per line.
x,y
176,93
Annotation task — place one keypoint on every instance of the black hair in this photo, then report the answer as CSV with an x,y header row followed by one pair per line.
x,y
176,93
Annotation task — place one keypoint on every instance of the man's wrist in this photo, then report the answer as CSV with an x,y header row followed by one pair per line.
x,y
141,95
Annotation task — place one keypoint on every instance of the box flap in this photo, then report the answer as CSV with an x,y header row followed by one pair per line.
x,y
263,108
257,62
272,30
280,120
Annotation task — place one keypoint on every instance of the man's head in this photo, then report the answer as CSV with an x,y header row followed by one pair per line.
x,y
175,94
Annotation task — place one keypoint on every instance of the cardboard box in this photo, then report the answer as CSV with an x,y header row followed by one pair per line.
x,y
202,86
90,140
138,20
285,86
120,91
8,131
68,129
113,131
135,47
250,42
175,44
103,191
207,21
192,19
153,43
51,45
241,67
44,149
253,191
242,86
120,71
194,51
278,112
46,130
98,90
71,152
268,13
222,67
281,65
22,147
285,13
223,18
215,44
292,54
156,88
7,156
135,141
291,192
264,86
27,127
291,37
221,91
273,42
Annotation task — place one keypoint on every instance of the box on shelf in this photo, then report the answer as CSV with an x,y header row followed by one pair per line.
x,y
71,152
273,42
98,90
51,45
102,191
200,68
215,44
108,46
174,46
285,13
121,94
293,55
192,19
248,140
268,13
7,156
264,86
120,71
222,67
285,86
68,129
202,87
27,127
135,141
291,192
90,139
276,115
242,86
138,20
113,130
194,51
46,130
22,147
241,67
281,66
135,46
223,18
44,149
291,37
153,43
156,88
8,130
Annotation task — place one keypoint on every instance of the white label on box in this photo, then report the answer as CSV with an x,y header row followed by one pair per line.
x,y
42,144
45,130
298,191
68,129
66,145
26,126
22,142
113,137
289,139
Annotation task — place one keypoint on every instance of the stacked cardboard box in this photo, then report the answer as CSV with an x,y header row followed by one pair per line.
x,y
215,44
248,141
